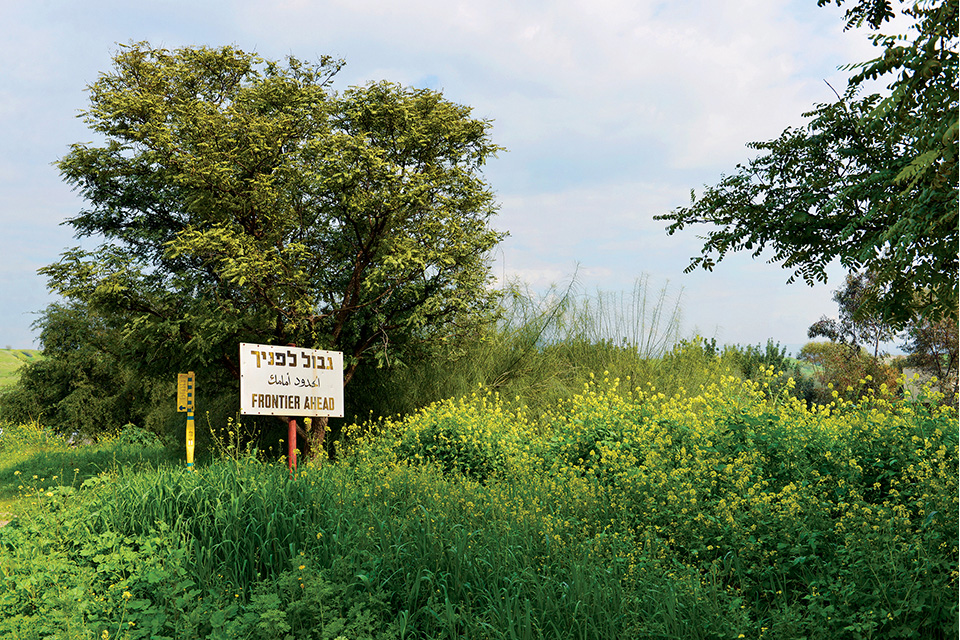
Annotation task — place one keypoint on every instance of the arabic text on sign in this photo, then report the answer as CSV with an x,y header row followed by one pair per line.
x,y
286,380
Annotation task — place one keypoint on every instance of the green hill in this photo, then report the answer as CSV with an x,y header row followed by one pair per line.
x,y
10,362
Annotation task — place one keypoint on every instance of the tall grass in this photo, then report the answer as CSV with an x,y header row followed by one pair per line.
x,y
30,450
543,348
406,551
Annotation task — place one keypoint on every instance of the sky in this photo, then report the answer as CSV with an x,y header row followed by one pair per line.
x,y
610,112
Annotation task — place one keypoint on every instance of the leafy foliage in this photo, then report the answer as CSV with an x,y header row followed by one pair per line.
x,y
243,199
753,360
870,180
80,385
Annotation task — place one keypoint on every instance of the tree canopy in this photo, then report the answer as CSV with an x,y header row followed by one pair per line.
x,y
856,326
241,199
870,180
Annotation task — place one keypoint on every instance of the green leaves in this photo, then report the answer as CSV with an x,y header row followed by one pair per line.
x,y
870,181
243,199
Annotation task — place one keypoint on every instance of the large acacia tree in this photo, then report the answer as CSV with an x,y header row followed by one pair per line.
x,y
241,199
870,180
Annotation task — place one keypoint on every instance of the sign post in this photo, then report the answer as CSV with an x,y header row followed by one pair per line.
x,y
290,382
292,444
186,388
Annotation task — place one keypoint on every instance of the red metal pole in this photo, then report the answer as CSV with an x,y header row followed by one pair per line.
x,y
292,444
292,437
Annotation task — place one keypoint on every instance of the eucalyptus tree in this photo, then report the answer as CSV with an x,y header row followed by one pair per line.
x,y
857,326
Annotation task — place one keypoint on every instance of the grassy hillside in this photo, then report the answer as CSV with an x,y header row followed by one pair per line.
x,y
10,362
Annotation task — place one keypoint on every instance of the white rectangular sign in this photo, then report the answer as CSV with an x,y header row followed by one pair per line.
x,y
290,381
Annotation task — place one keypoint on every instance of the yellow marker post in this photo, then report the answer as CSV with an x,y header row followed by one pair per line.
x,y
190,440
186,389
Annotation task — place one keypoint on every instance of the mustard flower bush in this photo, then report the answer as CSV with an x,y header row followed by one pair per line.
x,y
475,436
838,520
844,515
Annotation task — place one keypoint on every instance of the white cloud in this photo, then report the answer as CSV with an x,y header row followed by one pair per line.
x,y
611,109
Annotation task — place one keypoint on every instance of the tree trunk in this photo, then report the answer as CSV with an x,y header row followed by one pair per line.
x,y
316,431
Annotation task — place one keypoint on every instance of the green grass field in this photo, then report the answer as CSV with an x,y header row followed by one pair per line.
x,y
10,362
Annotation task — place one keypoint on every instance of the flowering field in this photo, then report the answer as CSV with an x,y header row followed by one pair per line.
x,y
732,511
